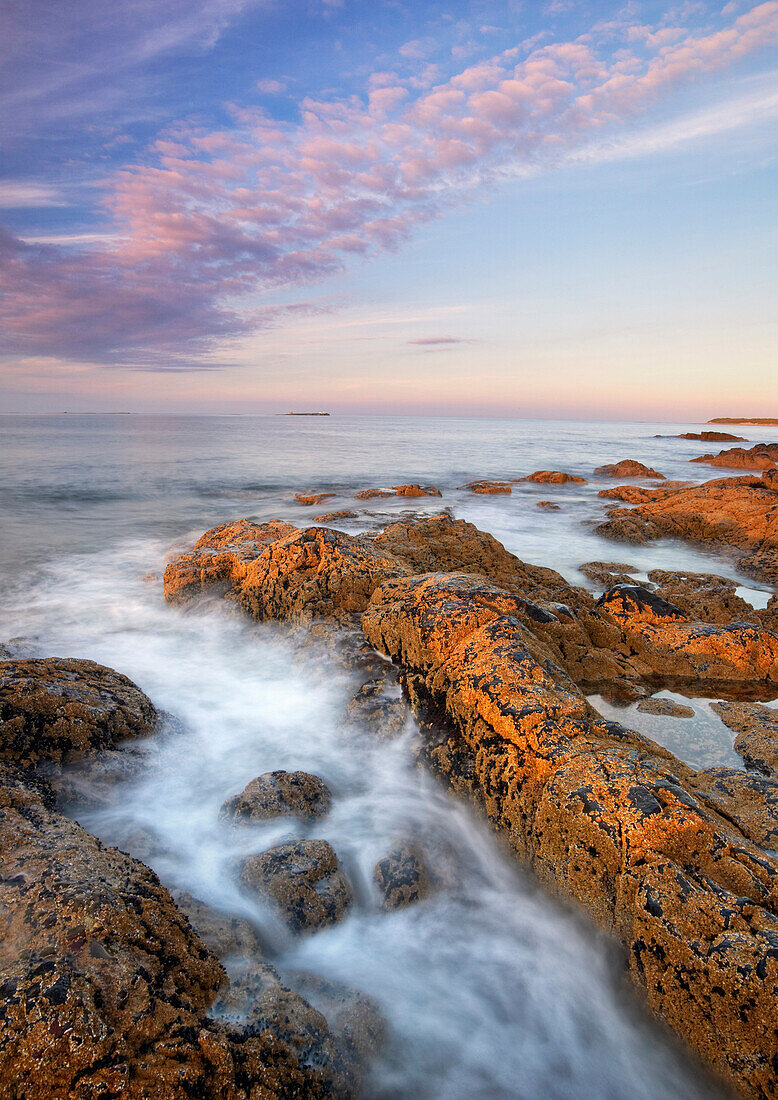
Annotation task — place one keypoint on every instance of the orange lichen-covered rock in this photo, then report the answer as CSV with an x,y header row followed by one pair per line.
x,y
705,596
329,517
304,881
666,639
628,467
373,494
312,498
762,456
605,815
57,708
315,572
219,557
416,491
553,477
106,988
739,512
489,487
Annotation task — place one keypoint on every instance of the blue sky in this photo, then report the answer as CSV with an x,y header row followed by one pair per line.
x,y
541,209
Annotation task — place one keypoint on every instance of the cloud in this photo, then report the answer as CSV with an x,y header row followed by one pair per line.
x,y
17,194
271,87
426,340
210,217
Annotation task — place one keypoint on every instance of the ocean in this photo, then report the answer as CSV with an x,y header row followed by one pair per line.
x,y
490,988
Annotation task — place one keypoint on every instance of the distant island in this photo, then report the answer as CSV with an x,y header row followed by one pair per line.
x,y
308,414
743,420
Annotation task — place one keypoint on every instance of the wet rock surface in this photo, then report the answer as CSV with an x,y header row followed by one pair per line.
x,y
603,814
666,708
628,467
308,499
489,487
757,733
279,794
106,988
713,437
56,708
738,514
553,477
303,880
402,877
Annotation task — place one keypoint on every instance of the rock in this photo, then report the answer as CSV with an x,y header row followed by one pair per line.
x,y
665,707
279,794
329,517
762,456
304,881
730,513
553,477
548,505
770,478
373,494
56,708
402,877
219,558
92,781
355,1020
312,498
106,987
608,573
315,572
713,437
604,815
416,491
372,706
705,596
632,603
488,487
748,800
628,468
223,933
757,733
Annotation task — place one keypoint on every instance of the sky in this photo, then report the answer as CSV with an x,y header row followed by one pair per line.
x,y
548,208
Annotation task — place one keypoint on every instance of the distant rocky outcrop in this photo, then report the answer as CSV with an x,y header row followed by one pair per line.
x,y
713,437
553,477
762,456
628,467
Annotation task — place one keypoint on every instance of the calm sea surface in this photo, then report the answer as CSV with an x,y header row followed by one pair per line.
x,y
490,989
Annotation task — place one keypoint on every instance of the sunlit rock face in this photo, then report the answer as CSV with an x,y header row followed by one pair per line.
x,y
219,557
58,709
628,467
603,814
762,456
740,513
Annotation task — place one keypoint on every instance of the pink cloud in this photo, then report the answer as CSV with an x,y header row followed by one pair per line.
x,y
211,216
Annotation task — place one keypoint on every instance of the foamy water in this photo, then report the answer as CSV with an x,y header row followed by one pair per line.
x,y
489,987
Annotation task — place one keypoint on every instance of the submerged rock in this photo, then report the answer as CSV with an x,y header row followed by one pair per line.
x,y
328,517
628,467
416,491
378,705
757,733
608,573
57,708
665,707
303,880
279,794
401,877
553,477
548,505
312,498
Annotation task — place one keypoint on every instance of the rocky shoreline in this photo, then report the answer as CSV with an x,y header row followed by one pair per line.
x,y
111,986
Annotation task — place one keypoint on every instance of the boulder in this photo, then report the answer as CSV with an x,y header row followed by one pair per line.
x,y
770,478
416,491
705,596
330,517
279,794
608,573
57,708
303,880
757,733
548,505
401,877
628,467
373,494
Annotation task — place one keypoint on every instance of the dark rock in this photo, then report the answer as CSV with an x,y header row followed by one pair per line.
x,y
279,794
402,877
304,881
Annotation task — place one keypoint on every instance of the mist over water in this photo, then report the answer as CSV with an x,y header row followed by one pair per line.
x,y
490,988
